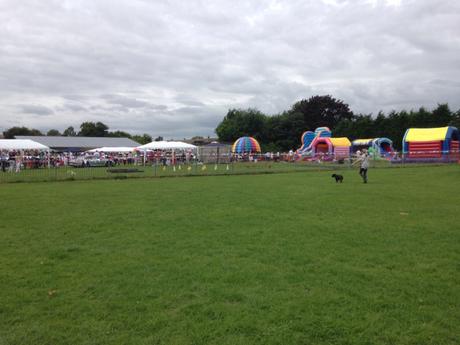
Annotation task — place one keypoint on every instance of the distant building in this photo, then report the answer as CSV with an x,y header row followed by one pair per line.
x,y
215,152
200,141
78,144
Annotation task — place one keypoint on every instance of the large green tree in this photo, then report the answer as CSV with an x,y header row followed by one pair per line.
x,y
69,132
284,131
242,122
119,134
142,139
91,129
455,121
53,133
322,111
13,131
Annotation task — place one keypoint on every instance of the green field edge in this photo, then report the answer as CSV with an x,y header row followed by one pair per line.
x,y
262,171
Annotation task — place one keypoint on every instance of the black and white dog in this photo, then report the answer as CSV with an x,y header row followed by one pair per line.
x,y
338,178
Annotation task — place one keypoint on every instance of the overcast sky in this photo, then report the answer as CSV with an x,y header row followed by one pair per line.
x,y
174,68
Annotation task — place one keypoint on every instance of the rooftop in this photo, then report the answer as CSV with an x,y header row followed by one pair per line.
x,y
80,142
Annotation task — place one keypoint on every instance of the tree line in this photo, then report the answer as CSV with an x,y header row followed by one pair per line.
x,y
282,132
87,129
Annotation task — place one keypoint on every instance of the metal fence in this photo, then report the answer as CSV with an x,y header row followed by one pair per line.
x,y
17,171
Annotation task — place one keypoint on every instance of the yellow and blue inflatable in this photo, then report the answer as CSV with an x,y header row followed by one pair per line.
x,y
441,143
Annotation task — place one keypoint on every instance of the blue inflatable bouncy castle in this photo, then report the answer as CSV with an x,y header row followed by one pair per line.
x,y
382,147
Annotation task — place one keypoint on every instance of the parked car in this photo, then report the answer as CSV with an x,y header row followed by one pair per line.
x,y
90,161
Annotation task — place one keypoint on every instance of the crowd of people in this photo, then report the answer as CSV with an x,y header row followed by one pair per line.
x,y
15,161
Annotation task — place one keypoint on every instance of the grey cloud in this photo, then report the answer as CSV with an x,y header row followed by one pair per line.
x,y
73,107
125,101
187,101
74,97
158,107
36,109
446,83
174,68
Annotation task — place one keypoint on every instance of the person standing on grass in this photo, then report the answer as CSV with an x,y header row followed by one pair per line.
x,y
4,157
363,159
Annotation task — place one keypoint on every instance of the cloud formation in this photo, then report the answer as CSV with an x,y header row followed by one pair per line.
x,y
175,68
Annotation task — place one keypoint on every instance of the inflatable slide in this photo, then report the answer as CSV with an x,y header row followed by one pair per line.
x,y
321,144
309,138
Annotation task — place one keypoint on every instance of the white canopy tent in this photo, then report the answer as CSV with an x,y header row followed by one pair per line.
x,y
21,144
166,145
113,149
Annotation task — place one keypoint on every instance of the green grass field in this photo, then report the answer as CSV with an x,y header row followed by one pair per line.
x,y
149,171
255,259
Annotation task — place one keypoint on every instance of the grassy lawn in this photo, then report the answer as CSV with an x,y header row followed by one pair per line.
x,y
263,259
71,173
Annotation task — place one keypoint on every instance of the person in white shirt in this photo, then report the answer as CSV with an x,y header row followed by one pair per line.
x,y
363,159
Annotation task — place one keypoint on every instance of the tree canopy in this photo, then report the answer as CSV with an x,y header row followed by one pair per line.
x,y
239,122
69,132
142,139
91,129
13,131
87,129
53,133
322,111
282,132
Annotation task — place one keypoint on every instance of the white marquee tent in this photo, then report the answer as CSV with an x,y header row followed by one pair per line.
x,y
113,149
21,144
166,145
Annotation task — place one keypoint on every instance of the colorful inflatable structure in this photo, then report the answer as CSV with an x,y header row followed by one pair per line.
x,y
246,145
337,148
308,137
379,147
431,144
321,143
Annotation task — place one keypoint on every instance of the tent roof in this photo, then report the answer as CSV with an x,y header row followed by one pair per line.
x,y
80,142
343,141
166,145
113,149
426,134
21,144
